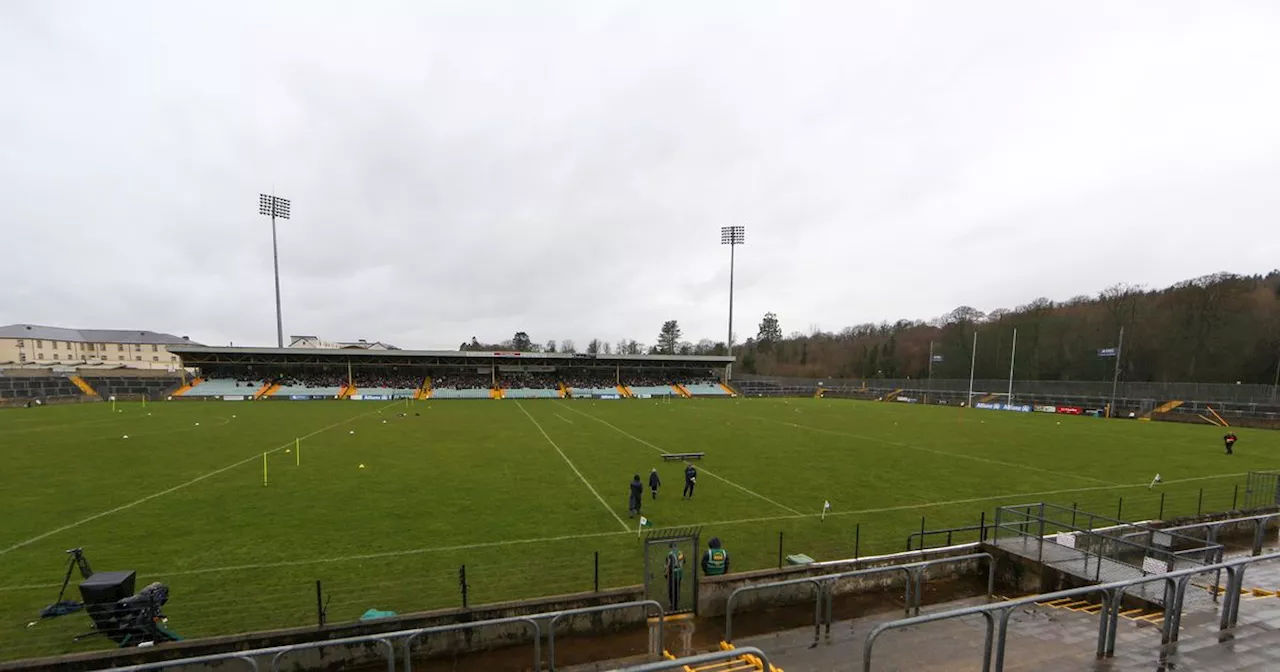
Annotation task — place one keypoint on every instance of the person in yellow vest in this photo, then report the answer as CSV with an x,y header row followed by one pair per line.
x,y
716,560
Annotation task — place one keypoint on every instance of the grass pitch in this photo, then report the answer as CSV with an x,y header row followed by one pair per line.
x,y
523,493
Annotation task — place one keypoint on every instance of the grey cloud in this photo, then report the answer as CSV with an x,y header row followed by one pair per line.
x,y
463,169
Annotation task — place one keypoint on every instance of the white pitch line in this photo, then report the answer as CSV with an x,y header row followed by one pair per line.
x,y
708,472
594,535
175,488
574,468
564,418
935,451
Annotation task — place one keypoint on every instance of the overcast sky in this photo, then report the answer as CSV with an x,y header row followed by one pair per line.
x,y
478,168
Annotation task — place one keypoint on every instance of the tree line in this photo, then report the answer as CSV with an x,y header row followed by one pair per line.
x,y
1216,328
669,342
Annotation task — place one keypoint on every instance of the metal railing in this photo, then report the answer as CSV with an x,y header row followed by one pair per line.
x,y
691,661
1176,583
981,528
1042,524
825,595
388,639
1212,527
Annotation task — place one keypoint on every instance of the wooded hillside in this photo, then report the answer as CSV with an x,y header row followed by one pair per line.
x,y
1216,328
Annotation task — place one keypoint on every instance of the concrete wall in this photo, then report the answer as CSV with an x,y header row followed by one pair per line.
x,y
714,591
341,657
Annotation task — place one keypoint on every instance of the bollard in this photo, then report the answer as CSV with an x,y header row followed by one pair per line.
x,y
1073,514
779,550
1200,503
1235,494
982,526
462,582
597,581
857,539
922,533
1120,509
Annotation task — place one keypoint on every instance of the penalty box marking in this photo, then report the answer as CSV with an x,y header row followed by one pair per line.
x,y
574,468
708,472
178,487
596,535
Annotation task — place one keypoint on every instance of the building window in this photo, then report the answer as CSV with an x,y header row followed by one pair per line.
x,y
154,348
119,347
22,356
39,344
139,358
56,355
19,342
155,358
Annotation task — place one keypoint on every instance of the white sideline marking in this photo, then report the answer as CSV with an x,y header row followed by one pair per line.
x,y
175,488
564,418
712,474
575,469
593,535
935,451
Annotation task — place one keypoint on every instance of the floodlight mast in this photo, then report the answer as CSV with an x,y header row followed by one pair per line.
x,y
274,206
732,236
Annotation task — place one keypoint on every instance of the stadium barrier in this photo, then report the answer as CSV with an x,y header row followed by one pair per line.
x,y
1111,595
825,584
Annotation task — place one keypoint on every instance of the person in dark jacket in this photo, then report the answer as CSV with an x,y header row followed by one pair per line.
x,y
1229,441
637,494
654,482
690,479
716,560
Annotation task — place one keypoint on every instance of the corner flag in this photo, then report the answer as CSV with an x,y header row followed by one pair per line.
x,y
826,506
644,522
1154,481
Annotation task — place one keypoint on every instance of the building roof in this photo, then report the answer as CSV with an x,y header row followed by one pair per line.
x,y
547,358
91,335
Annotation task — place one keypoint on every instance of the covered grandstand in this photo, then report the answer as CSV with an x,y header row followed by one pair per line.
x,y
237,373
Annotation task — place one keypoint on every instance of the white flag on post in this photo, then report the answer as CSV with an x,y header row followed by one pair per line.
x,y
644,522
1154,481
826,506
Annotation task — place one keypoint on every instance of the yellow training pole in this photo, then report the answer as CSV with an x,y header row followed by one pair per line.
x,y
297,452
264,470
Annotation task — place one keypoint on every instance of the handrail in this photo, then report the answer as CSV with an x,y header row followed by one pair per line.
x,y
1175,588
555,616
691,661
537,635
823,583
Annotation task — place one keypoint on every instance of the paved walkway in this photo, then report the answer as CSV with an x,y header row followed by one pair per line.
x,y
1040,638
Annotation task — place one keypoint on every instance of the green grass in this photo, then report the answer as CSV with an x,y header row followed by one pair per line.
x,y
478,483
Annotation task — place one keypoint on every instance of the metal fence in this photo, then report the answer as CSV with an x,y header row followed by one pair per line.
x,y
1210,392
386,641
1111,595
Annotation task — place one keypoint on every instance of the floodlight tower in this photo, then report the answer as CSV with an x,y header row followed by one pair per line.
x,y
732,236
274,206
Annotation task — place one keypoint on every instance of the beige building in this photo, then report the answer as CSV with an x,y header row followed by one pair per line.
x,y
31,344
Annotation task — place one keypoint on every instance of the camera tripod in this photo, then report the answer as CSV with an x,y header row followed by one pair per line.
x,y
59,607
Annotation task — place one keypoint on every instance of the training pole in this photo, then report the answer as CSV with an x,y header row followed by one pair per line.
x,y
264,470
297,452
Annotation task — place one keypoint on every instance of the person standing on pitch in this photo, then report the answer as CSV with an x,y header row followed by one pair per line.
x,y
674,573
1229,441
637,494
690,479
654,482
716,560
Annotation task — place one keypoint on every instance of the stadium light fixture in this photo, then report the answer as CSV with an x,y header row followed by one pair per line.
x,y
732,236
273,206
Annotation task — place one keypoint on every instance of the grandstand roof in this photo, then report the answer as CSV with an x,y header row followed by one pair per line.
x,y
91,335
197,353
